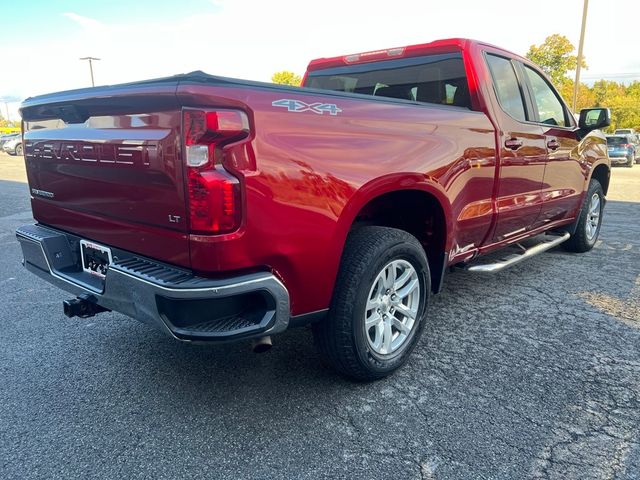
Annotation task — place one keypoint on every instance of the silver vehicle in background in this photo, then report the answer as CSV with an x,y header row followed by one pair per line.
x,y
13,145
6,137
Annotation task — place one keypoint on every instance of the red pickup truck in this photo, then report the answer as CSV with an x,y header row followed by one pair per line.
x,y
220,209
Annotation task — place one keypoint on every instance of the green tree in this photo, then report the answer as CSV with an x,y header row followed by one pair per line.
x,y
625,112
623,100
633,89
605,90
586,96
9,123
555,57
285,77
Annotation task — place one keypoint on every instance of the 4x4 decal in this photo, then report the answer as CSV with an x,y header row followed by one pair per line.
x,y
298,106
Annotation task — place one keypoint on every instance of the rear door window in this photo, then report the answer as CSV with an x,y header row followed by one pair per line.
x,y
439,79
506,86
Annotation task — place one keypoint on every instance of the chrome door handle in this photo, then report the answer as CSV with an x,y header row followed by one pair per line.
x,y
513,143
553,144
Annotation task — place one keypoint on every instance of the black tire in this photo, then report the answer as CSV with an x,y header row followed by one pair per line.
x,y
19,150
341,338
580,241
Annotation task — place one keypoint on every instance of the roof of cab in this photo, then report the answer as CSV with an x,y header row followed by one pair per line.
x,y
445,45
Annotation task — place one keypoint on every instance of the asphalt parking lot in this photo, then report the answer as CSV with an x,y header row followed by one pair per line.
x,y
532,373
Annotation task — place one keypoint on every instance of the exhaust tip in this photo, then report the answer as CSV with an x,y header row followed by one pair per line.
x,y
261,344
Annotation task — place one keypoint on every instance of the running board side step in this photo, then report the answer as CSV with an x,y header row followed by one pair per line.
x,y
547,243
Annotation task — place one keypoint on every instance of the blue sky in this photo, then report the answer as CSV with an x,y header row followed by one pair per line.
x,y
139,39
38,16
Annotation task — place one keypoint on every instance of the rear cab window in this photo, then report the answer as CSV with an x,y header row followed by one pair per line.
x,y
437,79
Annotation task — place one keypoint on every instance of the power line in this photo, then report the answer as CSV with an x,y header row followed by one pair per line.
x,y
610,75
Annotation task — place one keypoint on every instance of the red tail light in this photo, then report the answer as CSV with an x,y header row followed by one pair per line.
x,y
626,145
215,202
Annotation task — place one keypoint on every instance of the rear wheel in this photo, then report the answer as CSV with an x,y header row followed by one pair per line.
x,y
589,221
19,149
379,304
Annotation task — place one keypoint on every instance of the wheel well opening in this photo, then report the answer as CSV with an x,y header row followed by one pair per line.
x,y
602,174
417,213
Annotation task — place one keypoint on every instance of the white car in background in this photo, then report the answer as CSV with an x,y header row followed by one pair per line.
x,y
13,146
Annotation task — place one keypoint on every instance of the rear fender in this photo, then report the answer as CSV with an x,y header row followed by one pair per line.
x,y
387,184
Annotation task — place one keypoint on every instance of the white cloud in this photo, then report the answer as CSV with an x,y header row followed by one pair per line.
x,y
85,22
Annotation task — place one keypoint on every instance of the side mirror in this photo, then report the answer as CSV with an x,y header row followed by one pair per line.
x,y
594,118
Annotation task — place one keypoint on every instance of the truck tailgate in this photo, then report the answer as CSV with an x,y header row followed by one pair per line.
x,y
105,164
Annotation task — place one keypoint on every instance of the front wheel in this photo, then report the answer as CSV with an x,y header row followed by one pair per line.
x,y
378,309
19,150
589,221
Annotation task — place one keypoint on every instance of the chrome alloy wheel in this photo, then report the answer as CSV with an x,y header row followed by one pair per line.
x,y
593,217
392,307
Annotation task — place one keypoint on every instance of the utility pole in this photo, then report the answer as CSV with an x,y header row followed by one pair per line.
x,y
91,59
580,46
7,99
